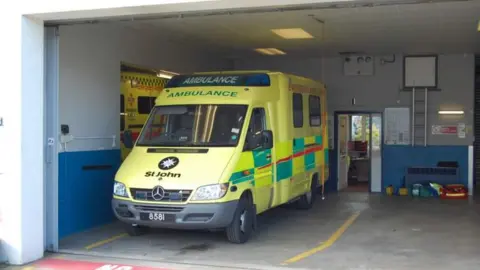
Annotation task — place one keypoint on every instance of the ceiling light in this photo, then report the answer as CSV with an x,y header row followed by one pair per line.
x,y
450,112
270,51
166,74
292,33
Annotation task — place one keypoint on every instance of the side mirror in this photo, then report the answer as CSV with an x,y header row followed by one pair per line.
x,y
253,141
263,140
127,139
267,139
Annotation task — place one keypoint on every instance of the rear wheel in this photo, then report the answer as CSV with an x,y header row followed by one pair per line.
x,y
241,228
307,200
135,230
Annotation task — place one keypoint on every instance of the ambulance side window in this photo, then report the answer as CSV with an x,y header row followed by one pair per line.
x,y
315,111
257,122
297,110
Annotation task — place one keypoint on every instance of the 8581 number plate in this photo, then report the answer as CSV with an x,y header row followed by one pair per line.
x,y
157,216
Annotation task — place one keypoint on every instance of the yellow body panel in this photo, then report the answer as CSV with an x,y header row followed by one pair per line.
x,y
273,176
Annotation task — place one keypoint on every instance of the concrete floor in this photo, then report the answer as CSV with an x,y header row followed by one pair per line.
x,y
390,233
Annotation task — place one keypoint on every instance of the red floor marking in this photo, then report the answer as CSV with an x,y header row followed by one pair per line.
x,y
83,265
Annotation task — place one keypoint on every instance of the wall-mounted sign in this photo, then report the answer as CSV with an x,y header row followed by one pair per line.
x,y
444,130
461,130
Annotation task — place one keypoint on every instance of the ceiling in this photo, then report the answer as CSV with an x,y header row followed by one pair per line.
x,y
447,27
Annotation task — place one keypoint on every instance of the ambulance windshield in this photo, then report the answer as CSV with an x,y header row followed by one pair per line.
x,y
193,125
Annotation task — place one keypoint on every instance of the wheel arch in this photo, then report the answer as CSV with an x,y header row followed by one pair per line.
x,y
248,194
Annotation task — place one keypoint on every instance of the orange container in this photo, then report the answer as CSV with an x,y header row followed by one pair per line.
x,y
456,191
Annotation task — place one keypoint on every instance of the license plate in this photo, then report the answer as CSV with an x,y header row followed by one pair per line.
x,y
157,216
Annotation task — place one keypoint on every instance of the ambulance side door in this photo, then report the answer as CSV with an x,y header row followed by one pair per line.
x,y
262,159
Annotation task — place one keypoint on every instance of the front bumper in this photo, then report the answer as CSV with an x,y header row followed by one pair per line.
x,y
187,216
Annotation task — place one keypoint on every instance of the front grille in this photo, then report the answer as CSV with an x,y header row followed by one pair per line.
x,y
154,208
171,195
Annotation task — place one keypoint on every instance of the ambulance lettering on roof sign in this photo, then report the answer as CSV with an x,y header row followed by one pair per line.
x,y
212,80
257,80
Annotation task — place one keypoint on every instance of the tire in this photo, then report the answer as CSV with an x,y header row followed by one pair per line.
x,y
307,200
241,228
135,230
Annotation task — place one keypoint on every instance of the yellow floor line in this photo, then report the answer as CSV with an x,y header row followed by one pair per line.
x,y
106,241
333,238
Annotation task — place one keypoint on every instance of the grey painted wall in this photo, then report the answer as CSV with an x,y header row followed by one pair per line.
x,y
89,75
382,90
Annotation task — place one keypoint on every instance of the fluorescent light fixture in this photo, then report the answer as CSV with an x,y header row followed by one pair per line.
x,y
450,112
292,33
166,74
270,51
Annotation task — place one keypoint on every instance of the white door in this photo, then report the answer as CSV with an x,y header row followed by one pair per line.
x,y
376,153
342,152
51,137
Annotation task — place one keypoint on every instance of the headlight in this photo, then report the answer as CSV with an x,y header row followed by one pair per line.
x,y
210,192
119,189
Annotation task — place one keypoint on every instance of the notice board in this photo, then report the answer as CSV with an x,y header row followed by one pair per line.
x,y
397,126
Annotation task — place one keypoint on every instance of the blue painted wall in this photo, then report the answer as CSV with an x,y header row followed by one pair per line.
x,y
85,189
397,158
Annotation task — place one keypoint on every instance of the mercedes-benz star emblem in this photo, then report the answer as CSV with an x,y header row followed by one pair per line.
x,y
158,193
168,163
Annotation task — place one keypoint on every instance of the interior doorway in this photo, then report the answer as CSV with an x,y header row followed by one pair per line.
x,y
359,147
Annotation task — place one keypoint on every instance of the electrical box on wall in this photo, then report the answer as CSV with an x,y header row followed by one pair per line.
x,y
420,71
358,65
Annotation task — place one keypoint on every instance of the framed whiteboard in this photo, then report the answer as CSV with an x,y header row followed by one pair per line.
x,y
397,126
420,71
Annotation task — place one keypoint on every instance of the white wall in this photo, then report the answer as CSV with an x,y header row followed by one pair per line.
x,y
89,79
374,93
21,142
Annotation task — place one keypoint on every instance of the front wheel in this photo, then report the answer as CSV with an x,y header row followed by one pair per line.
x,y
241,228
308,199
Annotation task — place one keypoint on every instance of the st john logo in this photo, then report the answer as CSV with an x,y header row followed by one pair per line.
x,y
168,163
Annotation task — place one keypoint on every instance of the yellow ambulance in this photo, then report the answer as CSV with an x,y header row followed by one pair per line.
x,y
138,92
219,148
